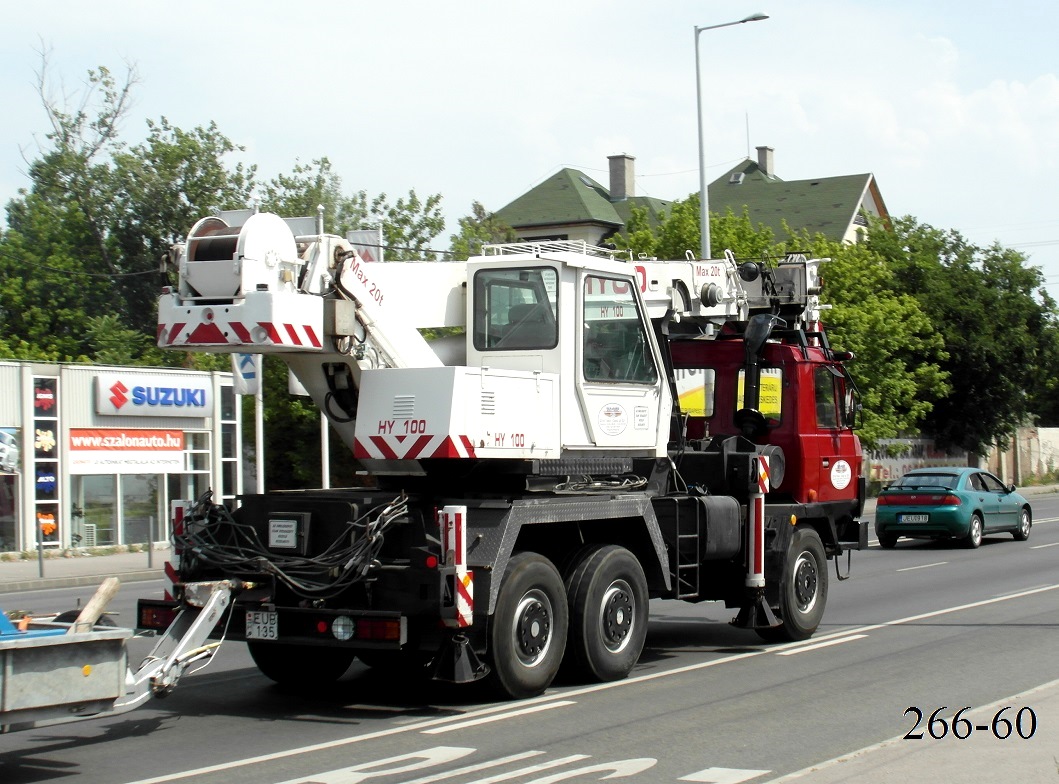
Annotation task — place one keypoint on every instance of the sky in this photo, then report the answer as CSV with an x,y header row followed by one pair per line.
x,y
952,106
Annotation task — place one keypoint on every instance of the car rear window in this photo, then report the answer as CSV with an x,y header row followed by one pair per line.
x,y
948,481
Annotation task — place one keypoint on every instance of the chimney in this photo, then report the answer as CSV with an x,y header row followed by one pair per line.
x,y
622,177
765,161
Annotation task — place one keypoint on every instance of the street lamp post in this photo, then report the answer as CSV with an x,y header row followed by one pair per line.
x,y
704,205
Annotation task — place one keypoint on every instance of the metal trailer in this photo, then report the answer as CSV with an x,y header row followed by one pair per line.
x,y
53,672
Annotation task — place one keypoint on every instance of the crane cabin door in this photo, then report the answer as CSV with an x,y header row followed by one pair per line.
x,y
620,383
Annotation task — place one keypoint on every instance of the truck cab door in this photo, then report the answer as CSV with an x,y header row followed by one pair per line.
x,y
620,385
837,459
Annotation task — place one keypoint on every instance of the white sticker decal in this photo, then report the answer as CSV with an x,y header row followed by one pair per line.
x,y
613,419
640,420
841,475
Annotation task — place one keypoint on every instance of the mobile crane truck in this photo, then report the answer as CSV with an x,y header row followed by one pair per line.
x,y
599,433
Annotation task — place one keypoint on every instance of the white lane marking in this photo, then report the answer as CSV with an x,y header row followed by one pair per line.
x,y
724,775
498,717
1021,697
511,774
825,644
418,726
924,566
1042,546
451,774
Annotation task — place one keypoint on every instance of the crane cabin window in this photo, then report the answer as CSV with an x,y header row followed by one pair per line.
x,y
515,309
615,346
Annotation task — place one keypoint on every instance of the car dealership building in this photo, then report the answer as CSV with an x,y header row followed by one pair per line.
x,y
93,455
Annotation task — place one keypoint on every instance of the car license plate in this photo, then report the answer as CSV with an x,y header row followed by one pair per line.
x,y
915,518
262,625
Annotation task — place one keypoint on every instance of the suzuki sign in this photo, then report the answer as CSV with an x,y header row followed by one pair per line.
x,y
119,394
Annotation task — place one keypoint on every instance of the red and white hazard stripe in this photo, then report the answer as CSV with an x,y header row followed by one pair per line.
x,y
177,510
412,447
238,333
453,520
755,572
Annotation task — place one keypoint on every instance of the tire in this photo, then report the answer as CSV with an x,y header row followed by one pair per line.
x,y
803,593
974,532
527,635
70,616
300,665
888,541
1022,533
607,594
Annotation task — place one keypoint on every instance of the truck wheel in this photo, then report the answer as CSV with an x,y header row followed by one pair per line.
x,y
607,592
803,593
528,630
300,665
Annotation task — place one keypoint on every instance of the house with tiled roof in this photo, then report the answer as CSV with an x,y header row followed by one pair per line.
x,y
569,205
836,207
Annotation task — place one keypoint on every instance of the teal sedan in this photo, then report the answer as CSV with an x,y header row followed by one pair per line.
x,y
962,504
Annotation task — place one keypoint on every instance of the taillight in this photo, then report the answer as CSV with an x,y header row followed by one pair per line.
x,y
919,499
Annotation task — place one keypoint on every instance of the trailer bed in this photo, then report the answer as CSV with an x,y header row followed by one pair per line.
x,y
48,675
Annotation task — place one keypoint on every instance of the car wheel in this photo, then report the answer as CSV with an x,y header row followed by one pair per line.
x,y
1022,533
888,541
974,532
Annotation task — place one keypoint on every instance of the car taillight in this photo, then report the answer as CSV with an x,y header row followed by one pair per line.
x,y
919,499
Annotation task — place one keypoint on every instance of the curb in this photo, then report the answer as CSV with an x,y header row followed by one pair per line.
x,y
76,581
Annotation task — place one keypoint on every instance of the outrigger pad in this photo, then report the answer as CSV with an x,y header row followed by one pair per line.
x,y
457,662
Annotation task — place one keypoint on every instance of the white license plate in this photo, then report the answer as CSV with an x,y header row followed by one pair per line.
x,y
262,625
916,518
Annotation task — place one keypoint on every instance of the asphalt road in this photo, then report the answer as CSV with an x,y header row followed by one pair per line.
x,y
917,629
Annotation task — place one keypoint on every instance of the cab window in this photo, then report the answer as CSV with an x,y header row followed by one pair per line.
x,y
515,309
695,391
826,400
770,393
615,346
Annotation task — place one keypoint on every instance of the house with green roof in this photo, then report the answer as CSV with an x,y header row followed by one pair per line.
x,y
569,205
836,207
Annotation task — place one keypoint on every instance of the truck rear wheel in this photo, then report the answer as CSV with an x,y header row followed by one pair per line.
x,y
300,665
528,630
607,592
803,592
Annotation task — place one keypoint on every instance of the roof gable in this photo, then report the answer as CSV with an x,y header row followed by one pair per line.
x,y
825,205
568,196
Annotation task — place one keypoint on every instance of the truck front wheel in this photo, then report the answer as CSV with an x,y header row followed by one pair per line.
x,y
300,665
607,592
528,630
803,592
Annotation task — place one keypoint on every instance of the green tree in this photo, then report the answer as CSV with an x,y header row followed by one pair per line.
x,y
899,355
409,225
478,229
86,238
998,329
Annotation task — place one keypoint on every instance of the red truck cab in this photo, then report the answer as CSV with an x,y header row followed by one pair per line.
x,y
806,398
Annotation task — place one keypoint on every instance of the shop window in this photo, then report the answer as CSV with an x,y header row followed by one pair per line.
x,y
95,511
140,508
8,513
